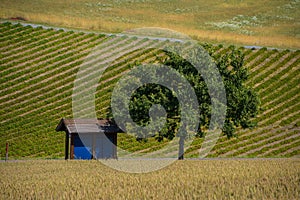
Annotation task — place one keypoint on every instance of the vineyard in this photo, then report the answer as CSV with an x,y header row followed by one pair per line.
x,y
38,67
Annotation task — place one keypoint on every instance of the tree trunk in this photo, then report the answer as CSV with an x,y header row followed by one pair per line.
x,y
181,148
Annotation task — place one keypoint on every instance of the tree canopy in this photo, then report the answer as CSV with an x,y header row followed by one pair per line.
x,y
242,102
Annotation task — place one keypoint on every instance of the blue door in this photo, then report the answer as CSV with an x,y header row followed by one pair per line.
x,y
101,144
82,150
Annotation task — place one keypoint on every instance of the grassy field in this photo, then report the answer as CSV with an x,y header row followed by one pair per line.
x,y
263,23
39,66
199,179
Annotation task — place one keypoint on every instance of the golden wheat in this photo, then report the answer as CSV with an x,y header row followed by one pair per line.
x,y
189,179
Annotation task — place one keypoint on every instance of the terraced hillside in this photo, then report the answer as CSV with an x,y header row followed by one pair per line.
x,y
38,68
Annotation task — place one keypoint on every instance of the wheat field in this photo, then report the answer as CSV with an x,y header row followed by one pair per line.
x,y
188,179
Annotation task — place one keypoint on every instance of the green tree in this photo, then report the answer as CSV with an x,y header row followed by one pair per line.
x,y
242,101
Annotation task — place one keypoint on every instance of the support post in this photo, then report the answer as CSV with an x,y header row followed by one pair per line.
x,y
6,152
115,138
72,146
67,146
94,146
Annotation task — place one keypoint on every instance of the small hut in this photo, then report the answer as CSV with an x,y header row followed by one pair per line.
x,y
89,138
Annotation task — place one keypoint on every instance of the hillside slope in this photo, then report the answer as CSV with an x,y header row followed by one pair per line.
x,y
251,22
38,68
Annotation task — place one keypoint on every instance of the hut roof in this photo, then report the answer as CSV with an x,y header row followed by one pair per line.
x,y
88,126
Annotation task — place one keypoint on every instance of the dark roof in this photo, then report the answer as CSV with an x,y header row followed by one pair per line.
x,y
88,126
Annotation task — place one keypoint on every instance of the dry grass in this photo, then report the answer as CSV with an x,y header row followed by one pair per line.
x,y
198,179
265,23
